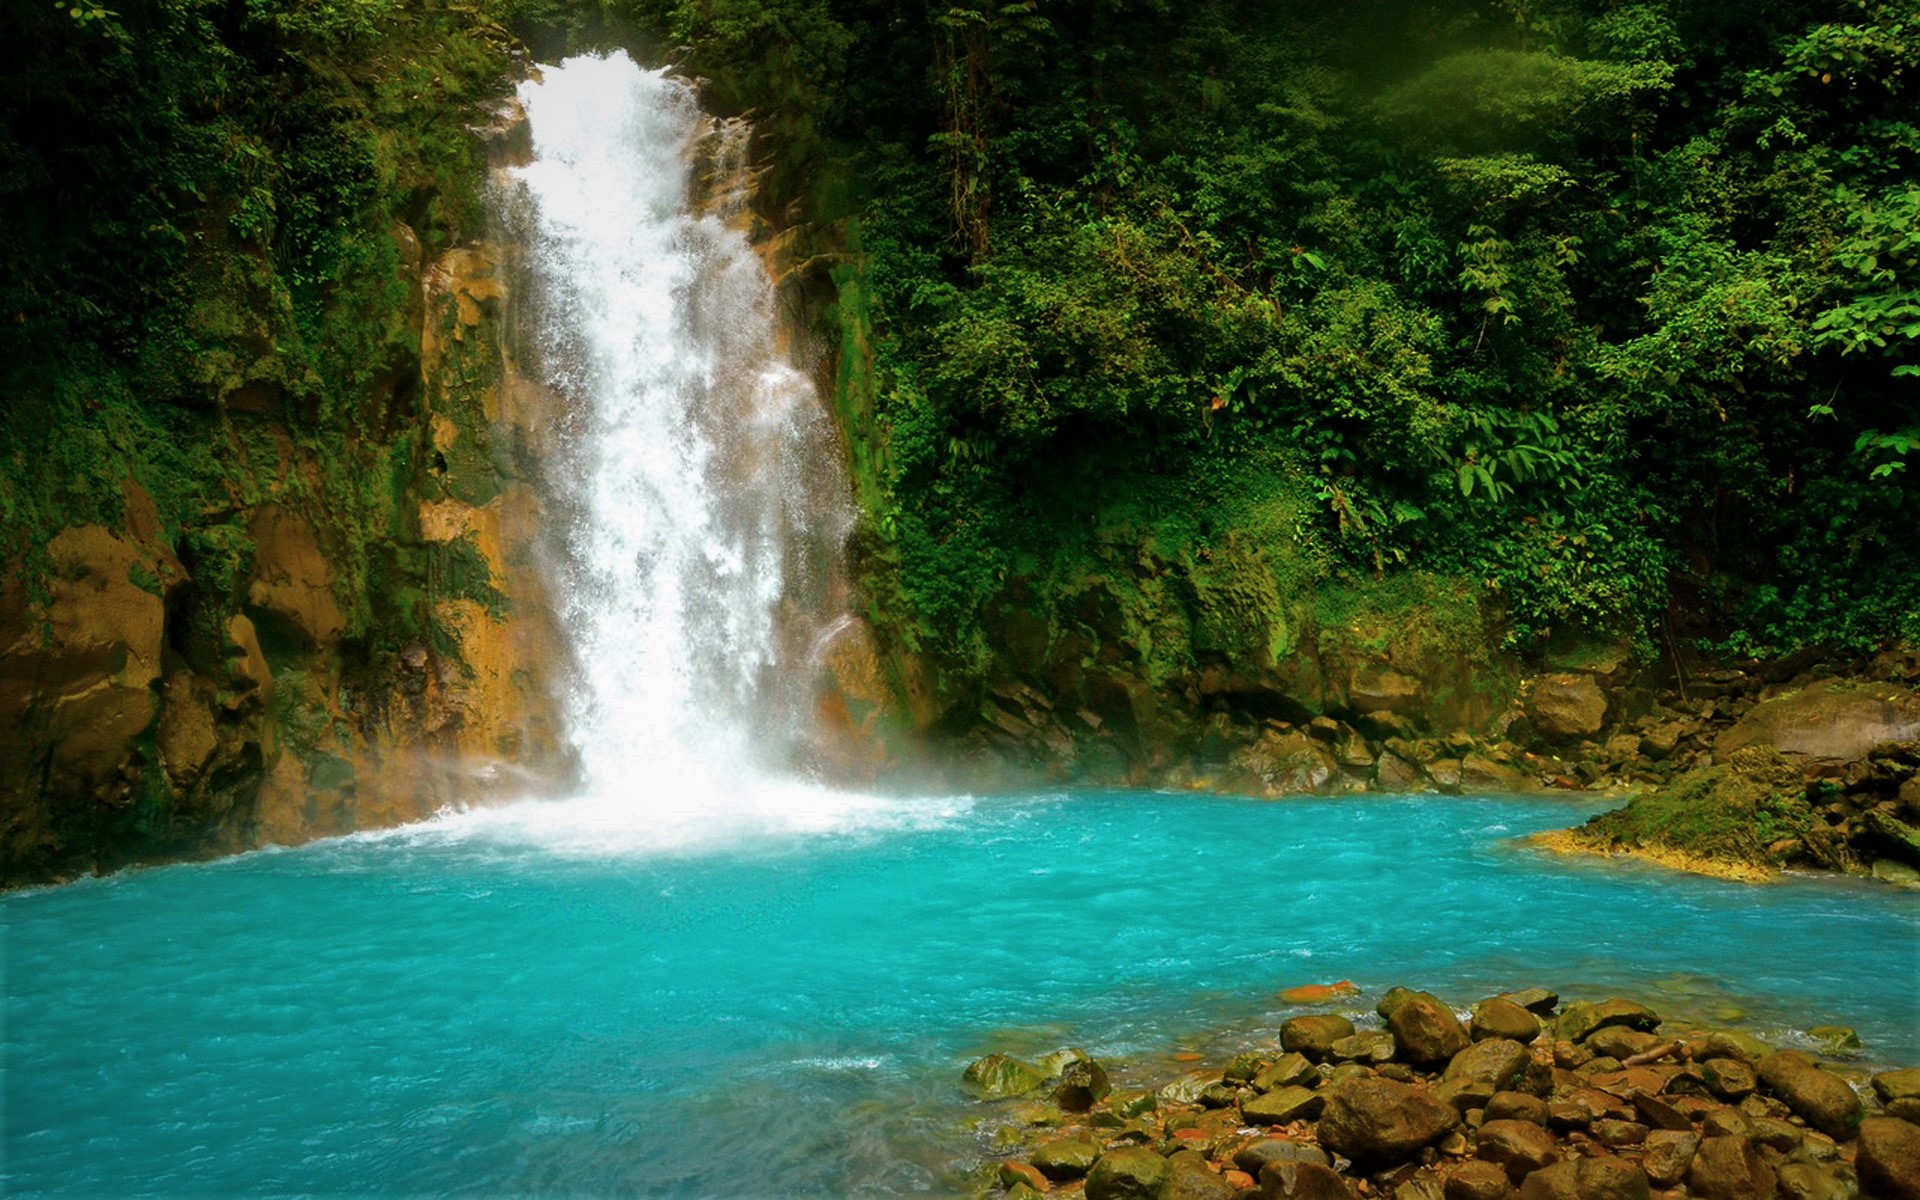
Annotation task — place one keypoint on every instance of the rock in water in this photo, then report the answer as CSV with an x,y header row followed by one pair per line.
x,y
1425,1030
1083,1084
998,1076
1130,1173
1375,1120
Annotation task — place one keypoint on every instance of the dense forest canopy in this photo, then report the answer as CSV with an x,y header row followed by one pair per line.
x,y
1609,310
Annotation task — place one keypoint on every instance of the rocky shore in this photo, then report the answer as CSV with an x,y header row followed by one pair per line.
x,y
1522,1098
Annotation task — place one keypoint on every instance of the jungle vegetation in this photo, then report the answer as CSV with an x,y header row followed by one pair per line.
x,y
1610,311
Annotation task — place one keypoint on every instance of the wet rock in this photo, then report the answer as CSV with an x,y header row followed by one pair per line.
x,y
1282,1105
1538,1001
1392,773
1822,1098
1521,1147
1811,1181
1220,1095
1188,1088
1302,1181
1021,1191
1314,1036
1366,1046
1243,1067
1479,1181
1742,1047
1617,1041
1131,1173
1835,1039
1669,1155
1261,1151
1425,1030
998,1076
1889,1158
1730,1168
1191,1180
1083,1084
1580,1019
1285,1070
1480,774
1587,1179
1067,1157
1014,1174
1517,1106
1498,1063
1897,1085
1728,1078
1497,1018
1378,1120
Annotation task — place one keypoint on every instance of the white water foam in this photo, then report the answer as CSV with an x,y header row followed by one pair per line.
x,y
699,478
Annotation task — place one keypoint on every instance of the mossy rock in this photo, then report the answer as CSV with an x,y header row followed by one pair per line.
x,y
1732,812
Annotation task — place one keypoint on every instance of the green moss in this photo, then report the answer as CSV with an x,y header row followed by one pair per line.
x,y
1730,812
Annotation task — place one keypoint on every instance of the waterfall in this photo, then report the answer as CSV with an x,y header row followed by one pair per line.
x,y
696,476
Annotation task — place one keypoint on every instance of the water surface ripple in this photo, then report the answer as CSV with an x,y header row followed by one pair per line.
x,y
457,1008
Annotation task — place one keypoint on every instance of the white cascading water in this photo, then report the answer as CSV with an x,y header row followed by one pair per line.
x,y
698,477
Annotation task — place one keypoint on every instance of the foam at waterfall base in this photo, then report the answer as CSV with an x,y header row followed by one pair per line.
x,y
686,813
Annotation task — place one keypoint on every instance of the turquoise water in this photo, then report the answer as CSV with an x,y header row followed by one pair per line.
x,y
458,1009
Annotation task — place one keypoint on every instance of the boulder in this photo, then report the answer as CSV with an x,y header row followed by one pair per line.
x,y
1498,1018
1516,1106
1728,1078
1066,1158
1314,1036
1083,1084
1566,705
1730,1168
1366,1046
1835,718
1261,1151
1285,1070
1820,1097
1302,1181
1811,1181
1479,1181
1497,1062
1016,1174
1521,1147
1889,1158
1580,1019
1282,1105
1617,1041
1587,1179
1425,1030
1379,1121
1480,774
1669,1155
1130,1173
1897,1085
1191,1180
998,1076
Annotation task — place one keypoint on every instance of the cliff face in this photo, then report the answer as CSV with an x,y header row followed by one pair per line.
x,y
352,635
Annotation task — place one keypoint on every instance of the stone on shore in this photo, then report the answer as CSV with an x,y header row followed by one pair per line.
x,y
1820,1097
1425,1030
1587,1179
1377,1120
1066,1158
1258,1153
1083,1084
1314,1036
1730,1168
1497,1018
1669,1155
1889,1158
1479,1181
1129,1173
1580,1019
1302,1181
1282,1106
1519,1146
